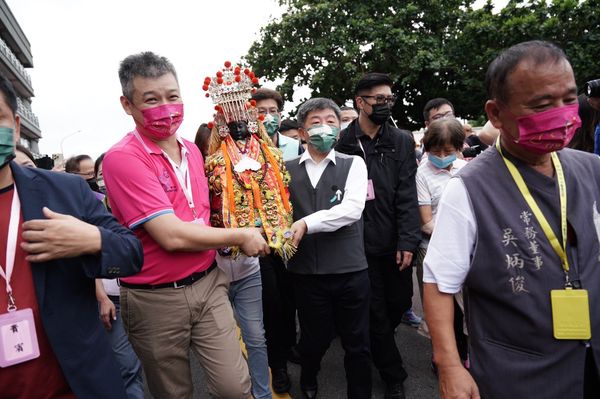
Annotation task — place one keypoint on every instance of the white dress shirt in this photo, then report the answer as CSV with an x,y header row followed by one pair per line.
x,y
448,258
353,202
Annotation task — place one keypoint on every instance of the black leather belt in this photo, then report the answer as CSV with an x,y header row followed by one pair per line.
x,y
189,280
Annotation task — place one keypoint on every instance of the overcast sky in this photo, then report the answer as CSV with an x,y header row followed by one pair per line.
x,y
77,46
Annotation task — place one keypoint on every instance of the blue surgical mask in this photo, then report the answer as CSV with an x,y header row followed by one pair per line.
x,y
441,163
7,145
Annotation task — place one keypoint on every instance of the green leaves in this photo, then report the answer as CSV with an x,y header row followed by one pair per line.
x,y
431,48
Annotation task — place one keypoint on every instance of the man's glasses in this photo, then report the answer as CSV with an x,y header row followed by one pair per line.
x,y
449,114
381,99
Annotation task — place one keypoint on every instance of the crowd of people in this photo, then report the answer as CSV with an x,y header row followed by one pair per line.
x,y
301,230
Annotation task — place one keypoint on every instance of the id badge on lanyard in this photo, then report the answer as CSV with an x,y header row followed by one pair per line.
x,y
18,338
570,307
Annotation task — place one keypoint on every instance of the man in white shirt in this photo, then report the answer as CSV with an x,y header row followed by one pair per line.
x,y
329,271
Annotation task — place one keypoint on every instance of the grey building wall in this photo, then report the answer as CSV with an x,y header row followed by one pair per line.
x,y
15,57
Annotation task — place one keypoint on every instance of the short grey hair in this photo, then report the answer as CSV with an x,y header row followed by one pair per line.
x,y
146,65
316,104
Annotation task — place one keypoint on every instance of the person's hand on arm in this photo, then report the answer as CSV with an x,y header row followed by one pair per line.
x,y
108,310
59,236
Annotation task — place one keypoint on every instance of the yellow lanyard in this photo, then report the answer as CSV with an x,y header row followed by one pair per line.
x,y
561,251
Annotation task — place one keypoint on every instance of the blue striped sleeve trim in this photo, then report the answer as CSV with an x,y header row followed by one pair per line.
x,y
148,218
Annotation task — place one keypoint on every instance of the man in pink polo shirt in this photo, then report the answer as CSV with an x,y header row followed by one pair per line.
x,y
158,188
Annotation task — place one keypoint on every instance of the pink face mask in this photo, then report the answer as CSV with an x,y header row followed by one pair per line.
x,y
163,121
550,130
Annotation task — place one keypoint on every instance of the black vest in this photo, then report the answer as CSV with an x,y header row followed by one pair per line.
x,y
513,352
340,251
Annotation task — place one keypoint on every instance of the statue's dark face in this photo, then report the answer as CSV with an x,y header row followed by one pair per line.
x,y
238,130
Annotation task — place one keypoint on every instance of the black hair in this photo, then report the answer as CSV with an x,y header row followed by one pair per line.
x,y
538,51
435,104
288,124
26,151
72,164
98,163
371,80
583,139
202,138
9,94
443,132
268,94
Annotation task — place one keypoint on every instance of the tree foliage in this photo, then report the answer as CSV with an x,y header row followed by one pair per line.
x,y
430,48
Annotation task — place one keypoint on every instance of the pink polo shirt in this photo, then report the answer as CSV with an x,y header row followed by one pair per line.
x,y
142,185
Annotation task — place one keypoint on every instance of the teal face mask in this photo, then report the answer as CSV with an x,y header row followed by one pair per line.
x,y
323,137
7,145
271,123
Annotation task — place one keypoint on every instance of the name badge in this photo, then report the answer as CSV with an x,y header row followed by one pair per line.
x,y
571,314
370,190
18,339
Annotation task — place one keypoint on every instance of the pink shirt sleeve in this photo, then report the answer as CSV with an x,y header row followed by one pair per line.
x,y
135,192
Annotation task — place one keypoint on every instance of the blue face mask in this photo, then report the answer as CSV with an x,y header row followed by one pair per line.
x,y
7,145
441,163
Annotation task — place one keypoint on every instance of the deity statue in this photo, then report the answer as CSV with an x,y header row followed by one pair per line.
x,y
247,177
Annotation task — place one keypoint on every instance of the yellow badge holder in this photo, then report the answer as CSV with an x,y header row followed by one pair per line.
x,y
570,307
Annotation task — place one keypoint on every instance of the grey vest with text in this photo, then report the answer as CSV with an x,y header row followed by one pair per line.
x,y
340,251
513,353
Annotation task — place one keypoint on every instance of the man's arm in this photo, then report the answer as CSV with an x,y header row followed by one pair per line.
x,y
139,199
348,211
406,206
454,380
174,235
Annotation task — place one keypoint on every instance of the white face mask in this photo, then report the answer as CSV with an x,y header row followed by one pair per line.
x,y
344,125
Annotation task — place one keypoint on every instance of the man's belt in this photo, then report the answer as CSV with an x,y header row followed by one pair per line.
x,y
189,280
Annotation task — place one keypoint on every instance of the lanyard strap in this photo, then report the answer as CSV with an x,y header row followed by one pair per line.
x,y
183,177
11,247
561,250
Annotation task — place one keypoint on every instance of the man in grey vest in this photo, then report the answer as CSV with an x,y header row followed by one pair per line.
x,y
519,229
329,271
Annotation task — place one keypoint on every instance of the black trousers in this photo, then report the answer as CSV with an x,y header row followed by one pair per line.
x,y
330,304
391,296
279,310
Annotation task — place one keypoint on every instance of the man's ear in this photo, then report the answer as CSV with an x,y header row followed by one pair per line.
x,y
359,101
303,134
492,109
17,131
126,104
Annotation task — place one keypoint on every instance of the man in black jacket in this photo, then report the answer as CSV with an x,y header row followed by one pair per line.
x,y
391,218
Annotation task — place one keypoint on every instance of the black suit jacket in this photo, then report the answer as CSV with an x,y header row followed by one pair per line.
x,y
65,288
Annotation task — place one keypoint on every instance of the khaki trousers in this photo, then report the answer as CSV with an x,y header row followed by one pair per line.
x,y
164,324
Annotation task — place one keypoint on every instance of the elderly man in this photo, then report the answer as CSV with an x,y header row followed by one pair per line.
x,y
157,187
48,312
520,233
331,281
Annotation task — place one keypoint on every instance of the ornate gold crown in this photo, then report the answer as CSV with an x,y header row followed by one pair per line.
x,y
230,90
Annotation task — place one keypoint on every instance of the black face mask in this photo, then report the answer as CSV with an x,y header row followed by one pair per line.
x,y
238,130
93,185
380,114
